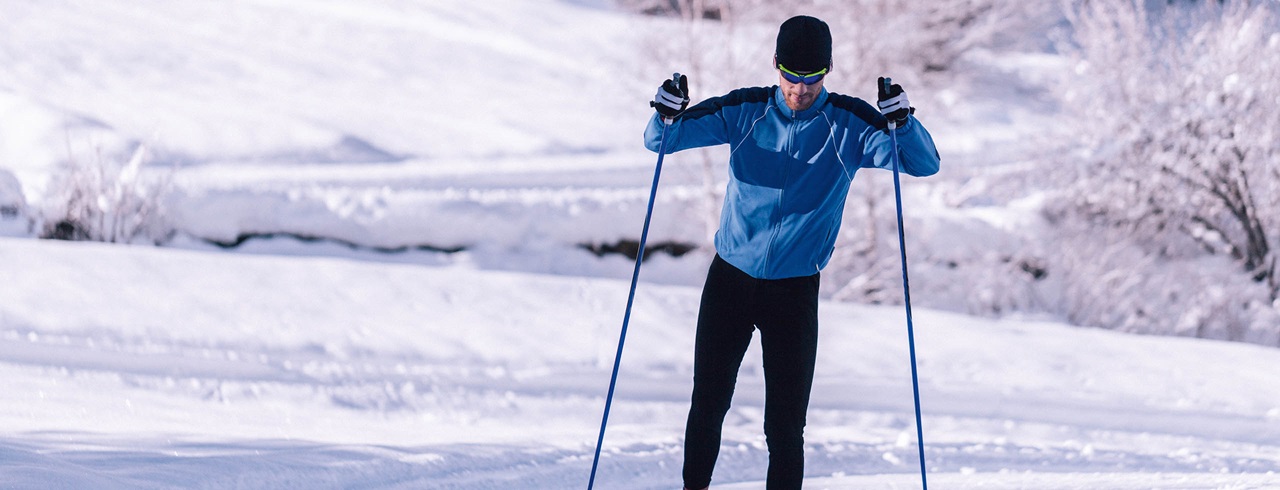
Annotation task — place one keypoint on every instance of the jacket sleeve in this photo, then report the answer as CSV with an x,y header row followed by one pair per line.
x,y
702,125
918,154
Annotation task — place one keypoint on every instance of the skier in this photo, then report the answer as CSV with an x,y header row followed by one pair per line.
x,y
794,149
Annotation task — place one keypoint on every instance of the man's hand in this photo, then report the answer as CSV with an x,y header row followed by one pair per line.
x,y
893,101
672,97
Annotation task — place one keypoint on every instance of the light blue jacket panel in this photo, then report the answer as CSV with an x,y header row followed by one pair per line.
x,y
789,172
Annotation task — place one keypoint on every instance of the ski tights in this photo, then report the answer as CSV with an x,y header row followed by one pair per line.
x,y
785,311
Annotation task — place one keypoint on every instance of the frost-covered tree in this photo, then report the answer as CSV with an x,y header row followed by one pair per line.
x,y
730,41
917,43
1171,180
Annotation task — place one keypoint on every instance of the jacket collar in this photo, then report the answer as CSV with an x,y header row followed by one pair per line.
x,y
780,101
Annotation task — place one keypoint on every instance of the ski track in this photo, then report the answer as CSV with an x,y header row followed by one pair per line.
x,y
367,384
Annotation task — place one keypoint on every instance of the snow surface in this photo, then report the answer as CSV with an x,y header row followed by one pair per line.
x,y
136,367
293,364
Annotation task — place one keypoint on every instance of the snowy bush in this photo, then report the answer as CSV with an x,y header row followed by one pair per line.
x,y
1170,194
987,264
102,200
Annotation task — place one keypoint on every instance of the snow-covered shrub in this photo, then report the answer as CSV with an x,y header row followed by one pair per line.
x,y
980,263
1170,176
104,200
1114,281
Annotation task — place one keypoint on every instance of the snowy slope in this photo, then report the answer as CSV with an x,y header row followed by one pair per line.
x,y
216,80
506,129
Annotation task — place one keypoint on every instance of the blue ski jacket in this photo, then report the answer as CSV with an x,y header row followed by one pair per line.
x,y
789,172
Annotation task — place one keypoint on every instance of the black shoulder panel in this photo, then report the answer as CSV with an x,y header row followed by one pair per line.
x,y
859,108
737,97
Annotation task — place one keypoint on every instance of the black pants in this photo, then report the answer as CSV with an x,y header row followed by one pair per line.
x,y
785,311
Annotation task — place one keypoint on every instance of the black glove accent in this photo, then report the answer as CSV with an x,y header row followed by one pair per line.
x,y
672,97
893,101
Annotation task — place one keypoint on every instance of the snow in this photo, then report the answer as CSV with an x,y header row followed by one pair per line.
x,y
137,367
287,363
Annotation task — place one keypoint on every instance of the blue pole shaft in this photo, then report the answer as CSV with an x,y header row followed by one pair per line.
x,y
626,317
906,292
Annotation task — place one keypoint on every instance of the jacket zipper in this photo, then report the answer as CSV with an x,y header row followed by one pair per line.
x,y
786,179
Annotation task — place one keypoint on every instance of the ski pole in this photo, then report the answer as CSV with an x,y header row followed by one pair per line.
x,y
906,292
631,296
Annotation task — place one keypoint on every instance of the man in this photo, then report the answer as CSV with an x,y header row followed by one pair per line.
x,y
794,149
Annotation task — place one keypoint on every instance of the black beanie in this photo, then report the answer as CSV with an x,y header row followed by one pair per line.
x,y
804,44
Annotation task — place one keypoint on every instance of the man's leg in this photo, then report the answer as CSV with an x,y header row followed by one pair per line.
x,y
789,342
724,331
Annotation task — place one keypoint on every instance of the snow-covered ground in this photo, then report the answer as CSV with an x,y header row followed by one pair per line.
x,y
136,367
450,333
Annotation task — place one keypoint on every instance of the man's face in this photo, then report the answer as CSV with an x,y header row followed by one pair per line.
x,y
799,96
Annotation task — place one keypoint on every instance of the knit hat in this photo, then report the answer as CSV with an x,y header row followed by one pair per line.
x,y
804,44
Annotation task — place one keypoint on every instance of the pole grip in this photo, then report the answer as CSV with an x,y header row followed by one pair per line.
x,y
888,83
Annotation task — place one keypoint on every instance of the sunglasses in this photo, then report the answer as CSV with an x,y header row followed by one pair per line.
x,y
808,79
